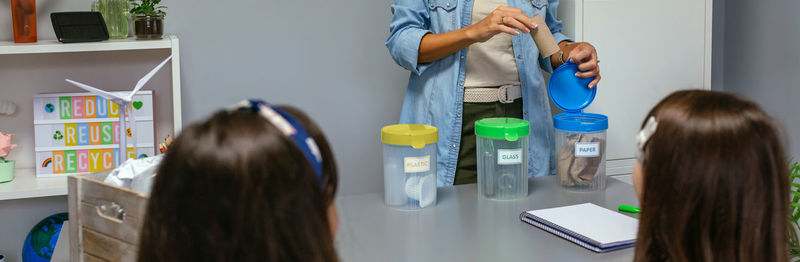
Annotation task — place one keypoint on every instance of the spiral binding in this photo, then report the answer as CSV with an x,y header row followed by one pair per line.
x,y
580,240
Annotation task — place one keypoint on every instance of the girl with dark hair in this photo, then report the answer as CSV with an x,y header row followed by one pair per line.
x,y
712,180
255,183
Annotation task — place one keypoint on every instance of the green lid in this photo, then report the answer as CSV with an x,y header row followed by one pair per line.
x,y
506,128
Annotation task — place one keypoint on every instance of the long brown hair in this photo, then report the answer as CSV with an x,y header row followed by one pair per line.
x,y
234,188
715,182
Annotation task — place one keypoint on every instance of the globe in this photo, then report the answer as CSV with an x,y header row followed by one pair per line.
x,y
41,241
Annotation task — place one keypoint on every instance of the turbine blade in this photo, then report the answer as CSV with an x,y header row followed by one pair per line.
x,y
104,94
147,77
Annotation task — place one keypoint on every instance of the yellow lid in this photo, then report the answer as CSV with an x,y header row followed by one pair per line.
x,y
414,135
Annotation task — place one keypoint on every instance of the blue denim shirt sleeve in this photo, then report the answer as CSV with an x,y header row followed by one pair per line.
x,y
434,96
410,22
555,26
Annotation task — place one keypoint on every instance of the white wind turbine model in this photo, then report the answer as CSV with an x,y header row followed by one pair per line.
x,y
124,103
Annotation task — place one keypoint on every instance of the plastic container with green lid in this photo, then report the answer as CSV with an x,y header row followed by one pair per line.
x,y
409,165
502,157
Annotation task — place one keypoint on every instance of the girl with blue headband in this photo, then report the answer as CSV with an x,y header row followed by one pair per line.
x,y
253,183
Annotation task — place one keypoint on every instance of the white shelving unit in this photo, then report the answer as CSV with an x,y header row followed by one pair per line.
x,y
25,183
53,46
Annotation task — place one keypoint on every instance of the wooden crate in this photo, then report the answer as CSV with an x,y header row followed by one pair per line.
x,y
105,220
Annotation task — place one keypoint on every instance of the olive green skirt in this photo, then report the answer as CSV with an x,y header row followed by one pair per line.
x,y
467,167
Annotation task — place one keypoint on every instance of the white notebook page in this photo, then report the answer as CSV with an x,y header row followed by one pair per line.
x,y
594,222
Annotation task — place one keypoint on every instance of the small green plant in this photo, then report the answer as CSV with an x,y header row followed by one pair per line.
x,y
794,215
147,7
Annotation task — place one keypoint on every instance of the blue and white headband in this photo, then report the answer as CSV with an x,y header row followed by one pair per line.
x,y
643,136
290,128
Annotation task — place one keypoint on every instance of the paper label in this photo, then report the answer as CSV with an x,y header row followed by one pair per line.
x,y
417,164
509,156
587,149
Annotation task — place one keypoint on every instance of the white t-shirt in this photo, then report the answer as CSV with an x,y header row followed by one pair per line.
x,y
491,63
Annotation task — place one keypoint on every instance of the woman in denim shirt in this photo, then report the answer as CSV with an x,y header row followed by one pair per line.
x,y
431,38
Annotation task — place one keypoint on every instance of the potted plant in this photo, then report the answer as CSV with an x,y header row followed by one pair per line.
x,y
6,166
794,208
148,18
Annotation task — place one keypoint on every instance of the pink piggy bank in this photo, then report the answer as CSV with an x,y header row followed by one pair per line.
x,y
5,144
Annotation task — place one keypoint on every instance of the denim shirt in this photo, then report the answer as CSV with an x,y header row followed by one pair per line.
x,y
436,90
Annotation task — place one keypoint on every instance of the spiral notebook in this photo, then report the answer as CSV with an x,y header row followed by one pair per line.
x,y
588,225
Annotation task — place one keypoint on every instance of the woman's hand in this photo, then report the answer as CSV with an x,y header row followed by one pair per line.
x,y
583,54
504,19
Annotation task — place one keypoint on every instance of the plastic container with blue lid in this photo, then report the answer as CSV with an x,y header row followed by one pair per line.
x,y
580,137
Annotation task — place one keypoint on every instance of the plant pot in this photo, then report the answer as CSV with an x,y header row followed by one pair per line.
x,y
23,15
148,27
6,170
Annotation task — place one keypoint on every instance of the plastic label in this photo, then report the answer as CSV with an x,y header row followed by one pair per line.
x,y
509,156
587,149
417,164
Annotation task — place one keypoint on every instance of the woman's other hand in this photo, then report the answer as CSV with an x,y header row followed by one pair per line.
x,y
585,55
504,19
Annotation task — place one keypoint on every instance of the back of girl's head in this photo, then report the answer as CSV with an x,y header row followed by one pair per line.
x,y
234,188
715,182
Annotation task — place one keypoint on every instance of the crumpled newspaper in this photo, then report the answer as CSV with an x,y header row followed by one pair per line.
x,y
578,171
136,174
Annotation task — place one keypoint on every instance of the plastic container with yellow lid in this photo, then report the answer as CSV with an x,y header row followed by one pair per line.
x,y
409,165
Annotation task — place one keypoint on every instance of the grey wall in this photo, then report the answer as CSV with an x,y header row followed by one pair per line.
x,y
762,60
326,57
718,46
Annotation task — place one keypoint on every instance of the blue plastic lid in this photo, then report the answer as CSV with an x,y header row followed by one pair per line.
x,y
568,91
573,94
580,122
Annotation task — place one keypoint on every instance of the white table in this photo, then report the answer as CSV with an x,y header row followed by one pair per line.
x,y
466,227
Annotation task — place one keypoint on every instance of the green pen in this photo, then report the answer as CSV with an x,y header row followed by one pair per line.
x,y
629,209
